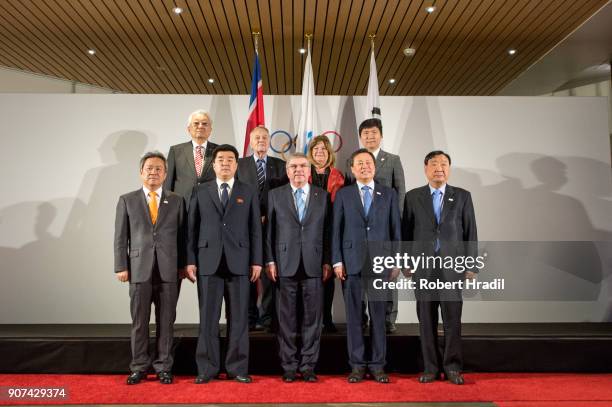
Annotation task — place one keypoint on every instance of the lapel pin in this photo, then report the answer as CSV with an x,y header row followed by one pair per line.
x,y
382,159
450,199
378,193
239,200
165,201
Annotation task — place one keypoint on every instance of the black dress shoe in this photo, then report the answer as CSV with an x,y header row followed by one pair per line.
x,y
390,327
455,377
240,378
330,328
136,377
380,376
429,377
356,375
202,379
289,377
165,377
309,376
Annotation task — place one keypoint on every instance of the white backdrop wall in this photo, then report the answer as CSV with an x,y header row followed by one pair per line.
x,y
538,169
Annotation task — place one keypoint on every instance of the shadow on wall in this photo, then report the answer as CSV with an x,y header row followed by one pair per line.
x,y
78,263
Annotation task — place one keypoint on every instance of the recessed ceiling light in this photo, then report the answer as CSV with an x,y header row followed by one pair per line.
x,y
177,10
391,81
91,51
511,51
409,52
211,80
302,51
430,9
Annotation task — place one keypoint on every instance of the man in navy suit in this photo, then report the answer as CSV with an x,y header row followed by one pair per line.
x,y
439,220
298,260
365,214
224,248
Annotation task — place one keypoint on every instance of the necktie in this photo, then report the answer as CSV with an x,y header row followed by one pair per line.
x,y
224,194
367,199
199,161
437,207
153,206
299,203
261,173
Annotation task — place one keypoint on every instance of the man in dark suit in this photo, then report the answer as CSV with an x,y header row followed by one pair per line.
x,y
296,257
190,163
150,254
364,213
263,173
436,217
224,247
390,173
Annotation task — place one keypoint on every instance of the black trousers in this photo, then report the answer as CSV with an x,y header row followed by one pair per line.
x,y
308,291
451,358
353,289
211,290
164,296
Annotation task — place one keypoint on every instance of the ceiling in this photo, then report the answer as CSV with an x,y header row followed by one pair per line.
x,y
142,46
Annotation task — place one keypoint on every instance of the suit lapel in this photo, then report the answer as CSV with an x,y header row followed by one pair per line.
x,y
381,160
235,193
207,159
161,211
449,202
357,201
145,206
188,155
376,197
214,195
288,192
251,171
427,203
313,199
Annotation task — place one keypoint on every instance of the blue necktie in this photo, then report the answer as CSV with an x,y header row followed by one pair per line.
x,y
261,174
299,203
437,207
224,194
367,199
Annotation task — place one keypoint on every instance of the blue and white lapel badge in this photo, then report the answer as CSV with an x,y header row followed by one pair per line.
x,y
165,201
450,199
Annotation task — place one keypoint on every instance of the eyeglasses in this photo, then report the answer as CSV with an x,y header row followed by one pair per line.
x,y
198,124
294,167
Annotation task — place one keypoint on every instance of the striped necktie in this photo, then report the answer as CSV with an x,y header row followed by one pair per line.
x,y
261,173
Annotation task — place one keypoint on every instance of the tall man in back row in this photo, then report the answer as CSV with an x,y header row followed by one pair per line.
x,y
264,173
439,221
390,173
190,163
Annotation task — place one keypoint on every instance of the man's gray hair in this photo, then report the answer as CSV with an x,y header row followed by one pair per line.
x,y
197,112
296,155
153,154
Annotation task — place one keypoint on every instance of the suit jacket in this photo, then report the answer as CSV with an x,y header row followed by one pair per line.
x,y
182,176
276,175
213,231
353,230
288,240
457,223
138,242
389,172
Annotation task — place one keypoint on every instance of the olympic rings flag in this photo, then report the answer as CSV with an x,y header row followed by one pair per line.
x,y
306,126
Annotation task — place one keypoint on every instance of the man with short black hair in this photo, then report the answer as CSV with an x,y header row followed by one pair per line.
x,y
436,217
224,249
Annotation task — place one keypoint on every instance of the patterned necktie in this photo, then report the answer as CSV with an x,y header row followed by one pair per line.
x,y
153,206
261,173
367,199
224,194
299,203
437,207
199,161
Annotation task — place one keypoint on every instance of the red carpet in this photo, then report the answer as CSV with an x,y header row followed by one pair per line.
x,y
508,390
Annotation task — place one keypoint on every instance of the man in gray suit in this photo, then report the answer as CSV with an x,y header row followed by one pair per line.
x,y
298,259
390,173
150,254
224,249
439,221
190,163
